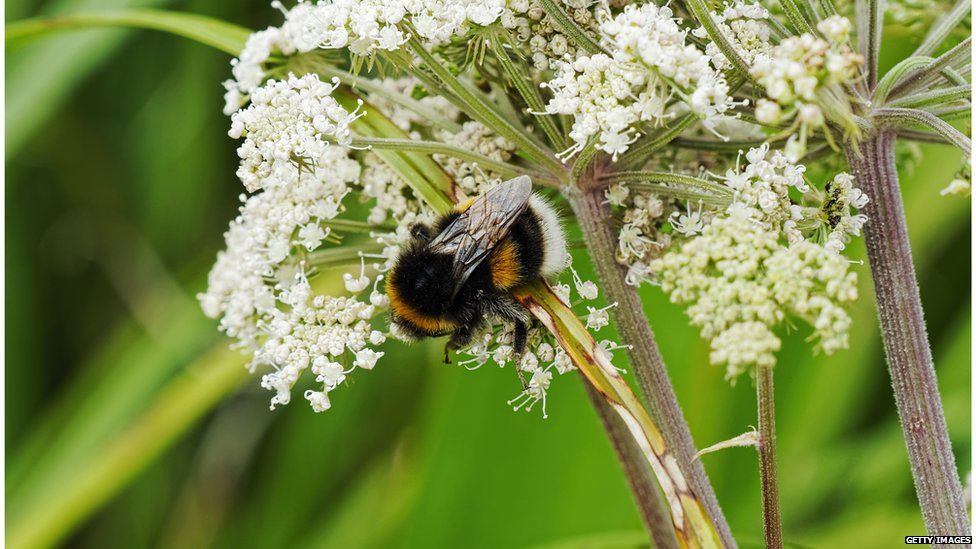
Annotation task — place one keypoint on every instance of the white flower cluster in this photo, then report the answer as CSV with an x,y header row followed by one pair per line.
x,y
285,130
764,184
801,74
841,196
745,27
640,239
651,60
755,264
741,282
531,26
475,137
259,288
649,35
364,27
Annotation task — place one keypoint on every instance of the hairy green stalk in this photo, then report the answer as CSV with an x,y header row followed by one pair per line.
x,y
772,523
905,339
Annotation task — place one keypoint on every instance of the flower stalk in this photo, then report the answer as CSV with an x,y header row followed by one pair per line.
x,y
593,216
692,525
772,523
646,495
905,339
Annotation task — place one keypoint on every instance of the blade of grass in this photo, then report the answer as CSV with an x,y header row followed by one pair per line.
x,y
46,518
224,36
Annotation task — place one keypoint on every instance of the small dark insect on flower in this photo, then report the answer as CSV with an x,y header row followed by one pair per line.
x,y
463,269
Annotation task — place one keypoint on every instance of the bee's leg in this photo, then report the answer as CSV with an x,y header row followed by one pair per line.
x,y
506,307
460,338
520,336
519,339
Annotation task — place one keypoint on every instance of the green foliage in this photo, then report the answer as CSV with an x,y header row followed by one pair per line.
x,y
120,183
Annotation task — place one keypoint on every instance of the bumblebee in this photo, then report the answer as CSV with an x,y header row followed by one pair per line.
x,y
462,269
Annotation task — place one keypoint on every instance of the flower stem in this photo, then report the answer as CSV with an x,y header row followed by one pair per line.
x,y
652,376
434,147
905,340
772,524
642,484
692,525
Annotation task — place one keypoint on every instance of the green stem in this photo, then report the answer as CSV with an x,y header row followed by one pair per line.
x,y
352,226
905,339
794,12
224,36
638,155
433,147
772,523
480,109
372,87
669,178
336,256
954,112
920,76
922,136
941,29
522,81
731,146
693,526
642,485
933,97
901,118
869,37
410,166
703,14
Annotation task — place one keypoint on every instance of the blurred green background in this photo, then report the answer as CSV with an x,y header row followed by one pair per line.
x,y
128,423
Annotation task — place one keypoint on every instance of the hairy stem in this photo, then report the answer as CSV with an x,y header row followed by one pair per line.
x,y
772,524
435,147
869,37
905,340
652,376
634,464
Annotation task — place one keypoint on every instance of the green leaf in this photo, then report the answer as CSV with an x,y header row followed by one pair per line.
x,y
222,35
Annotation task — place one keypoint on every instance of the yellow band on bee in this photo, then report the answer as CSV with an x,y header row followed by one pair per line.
x,y
504,265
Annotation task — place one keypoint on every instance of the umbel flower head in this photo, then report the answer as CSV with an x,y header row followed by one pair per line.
x,y
286,129
611,95
765,259
488,90
264,286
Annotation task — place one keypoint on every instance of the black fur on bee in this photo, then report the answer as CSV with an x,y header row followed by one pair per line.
x,y
455,274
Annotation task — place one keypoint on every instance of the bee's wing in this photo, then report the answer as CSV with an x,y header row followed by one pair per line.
x,y
476,232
